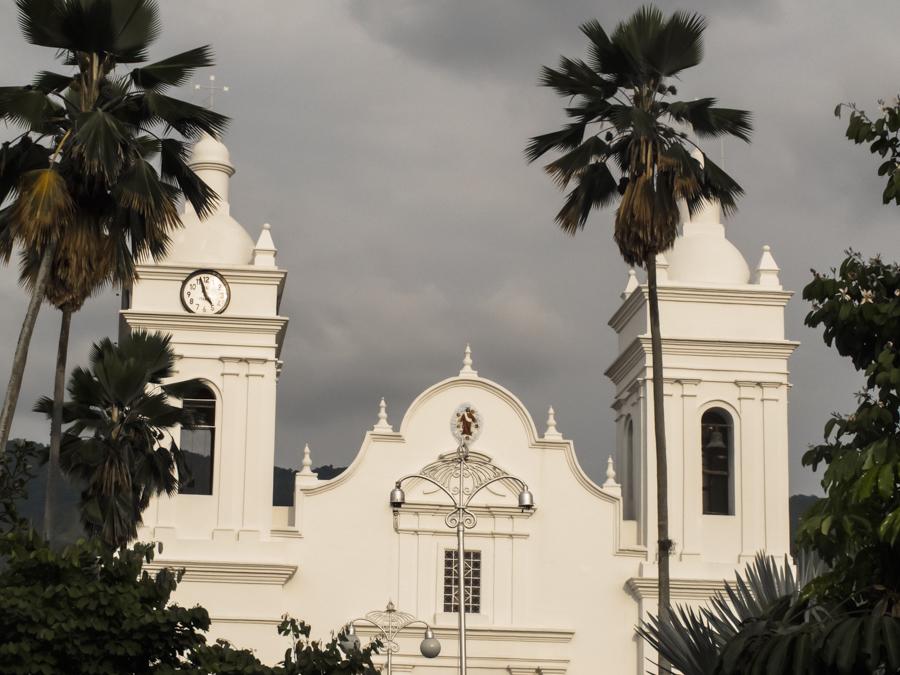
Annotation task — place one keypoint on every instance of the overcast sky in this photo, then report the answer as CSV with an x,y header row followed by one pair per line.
x,y
383,142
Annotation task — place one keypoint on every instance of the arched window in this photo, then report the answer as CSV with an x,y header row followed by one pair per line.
x,y
717,442
198,439
629,481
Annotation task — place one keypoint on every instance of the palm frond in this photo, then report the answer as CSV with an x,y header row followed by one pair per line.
x,y
99,144
707,121
174,167
29,108
139,189
173,71
17,159
51,82
678,45
573,163
187,119
596,188
606,57
41,22
565,139
137,26
42,208
647,218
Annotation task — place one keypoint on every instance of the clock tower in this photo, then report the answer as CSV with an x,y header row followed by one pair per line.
x,y
217,293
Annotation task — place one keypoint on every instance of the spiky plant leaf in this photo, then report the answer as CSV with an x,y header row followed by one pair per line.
x,y
42,208
99,144
29,108
174,167
51,82
187,119
173,71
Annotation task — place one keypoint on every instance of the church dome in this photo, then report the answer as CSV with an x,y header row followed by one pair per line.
x,y
210,150
702,254
219,239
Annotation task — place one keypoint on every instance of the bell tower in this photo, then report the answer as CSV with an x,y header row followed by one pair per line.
x,y
217,293
726,395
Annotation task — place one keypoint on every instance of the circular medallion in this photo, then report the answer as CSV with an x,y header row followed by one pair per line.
x,y
205,292
466,423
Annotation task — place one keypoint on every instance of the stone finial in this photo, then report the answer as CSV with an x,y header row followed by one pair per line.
x,y
767,269
307,462
552,433
305,476
383,426
467,370
264,252
610,474
631,284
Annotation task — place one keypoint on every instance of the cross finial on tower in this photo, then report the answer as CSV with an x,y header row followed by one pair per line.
x,y
211,90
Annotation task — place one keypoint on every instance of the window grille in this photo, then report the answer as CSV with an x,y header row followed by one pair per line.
x,y
471,582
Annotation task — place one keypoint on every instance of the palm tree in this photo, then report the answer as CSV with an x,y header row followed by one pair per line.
x,y
91,184
628,142
118,443
73,278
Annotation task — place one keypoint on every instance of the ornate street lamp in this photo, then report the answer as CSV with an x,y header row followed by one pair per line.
x,y
389,624
461,475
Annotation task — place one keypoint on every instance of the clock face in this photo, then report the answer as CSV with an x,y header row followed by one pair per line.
x,y
205,292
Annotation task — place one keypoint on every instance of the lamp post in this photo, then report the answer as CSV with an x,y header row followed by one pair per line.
x,y
461,475
389,624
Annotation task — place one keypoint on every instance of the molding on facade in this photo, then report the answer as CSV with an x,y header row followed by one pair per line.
x,y
265,621
285,533
738,295
247,274
215,323
215,571
642,588
639,351
494,633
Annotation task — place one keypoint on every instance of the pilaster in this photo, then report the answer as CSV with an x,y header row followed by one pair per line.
x,y
752,488
232,446
692,502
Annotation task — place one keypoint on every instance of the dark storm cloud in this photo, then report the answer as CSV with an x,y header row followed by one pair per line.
x,y
383,141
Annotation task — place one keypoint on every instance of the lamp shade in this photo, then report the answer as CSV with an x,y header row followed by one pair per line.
x,y
430,646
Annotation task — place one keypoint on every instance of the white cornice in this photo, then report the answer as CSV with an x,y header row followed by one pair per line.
x,y
680,589
216,571
738,295
239,274
495,633
640,350
221,323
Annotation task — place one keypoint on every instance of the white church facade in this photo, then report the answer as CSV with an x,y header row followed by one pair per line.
x,y
553,590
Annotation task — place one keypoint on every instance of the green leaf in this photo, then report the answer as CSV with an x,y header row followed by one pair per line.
x,y
99,143
173,71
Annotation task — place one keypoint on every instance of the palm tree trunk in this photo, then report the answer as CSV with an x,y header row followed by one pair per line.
x,y
21,353
59,393
662,470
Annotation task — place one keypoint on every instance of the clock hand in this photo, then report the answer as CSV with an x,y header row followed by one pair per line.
x,y
205,293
